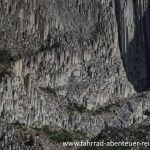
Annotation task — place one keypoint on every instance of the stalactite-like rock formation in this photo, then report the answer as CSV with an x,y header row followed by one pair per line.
x,y
76,65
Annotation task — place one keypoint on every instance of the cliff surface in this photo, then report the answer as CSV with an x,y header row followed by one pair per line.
x,y
71,67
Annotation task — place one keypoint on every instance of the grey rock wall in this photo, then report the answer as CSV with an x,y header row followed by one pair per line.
x,y
69,60
134,35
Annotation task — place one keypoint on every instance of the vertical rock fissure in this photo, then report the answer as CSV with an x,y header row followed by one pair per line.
x,y
146,37
134,52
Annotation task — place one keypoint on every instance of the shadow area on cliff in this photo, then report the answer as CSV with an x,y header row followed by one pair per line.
x,y
136,54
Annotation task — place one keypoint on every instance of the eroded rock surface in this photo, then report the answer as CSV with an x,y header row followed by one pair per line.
x,y
77,65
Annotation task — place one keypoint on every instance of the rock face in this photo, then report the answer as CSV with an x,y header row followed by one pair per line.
x,y
134,38
77,65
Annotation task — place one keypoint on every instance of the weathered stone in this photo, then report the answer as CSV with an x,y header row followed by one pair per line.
x,y
75,64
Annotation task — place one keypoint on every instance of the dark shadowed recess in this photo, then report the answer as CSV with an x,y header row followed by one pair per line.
x,y
135,54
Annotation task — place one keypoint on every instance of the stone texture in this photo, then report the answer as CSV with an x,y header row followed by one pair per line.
x,y
74,64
